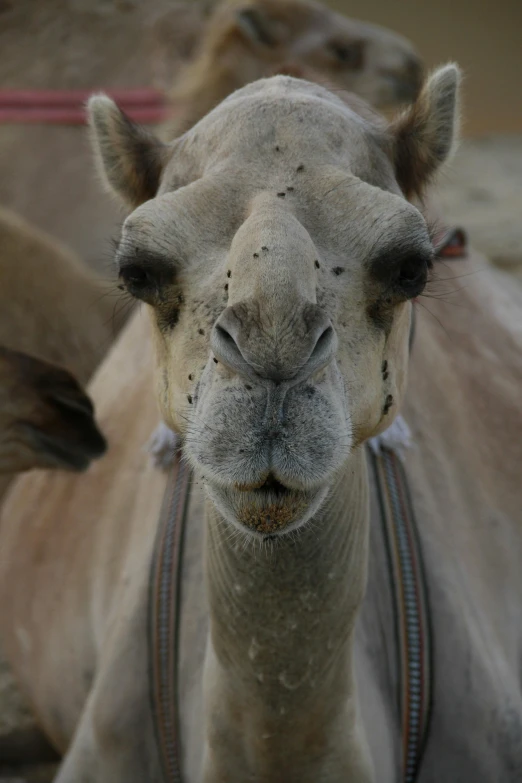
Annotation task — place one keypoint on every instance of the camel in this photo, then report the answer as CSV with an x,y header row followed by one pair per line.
x,y
242,42
52,306
46,419
45,170
57,311
68,42
281,323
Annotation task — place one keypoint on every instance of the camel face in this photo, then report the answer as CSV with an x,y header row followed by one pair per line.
x,y
306,39
279,258
46,420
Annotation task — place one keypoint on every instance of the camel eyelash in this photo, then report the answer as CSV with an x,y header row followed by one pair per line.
x,y
142,273
145,277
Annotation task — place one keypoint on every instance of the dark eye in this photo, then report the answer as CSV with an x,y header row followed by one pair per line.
x,y
134,275
396,276
401,274
137,280
412,276
151,279
350,55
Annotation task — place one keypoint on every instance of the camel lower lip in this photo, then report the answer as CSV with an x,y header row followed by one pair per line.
x,y
271,509
271,514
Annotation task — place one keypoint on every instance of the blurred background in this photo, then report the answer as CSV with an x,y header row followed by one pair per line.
x,y
483,37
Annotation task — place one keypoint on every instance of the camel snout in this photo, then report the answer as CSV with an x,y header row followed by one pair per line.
x,y
293,350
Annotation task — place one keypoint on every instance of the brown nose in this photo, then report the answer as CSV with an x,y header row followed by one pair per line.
x,y
300,347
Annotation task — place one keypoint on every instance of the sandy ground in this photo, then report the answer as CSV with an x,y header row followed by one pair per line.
x,y
482,191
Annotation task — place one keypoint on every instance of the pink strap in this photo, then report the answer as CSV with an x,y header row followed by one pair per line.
x,y
67,107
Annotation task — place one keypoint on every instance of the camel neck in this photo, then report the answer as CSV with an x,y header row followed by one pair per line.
x,y
280,690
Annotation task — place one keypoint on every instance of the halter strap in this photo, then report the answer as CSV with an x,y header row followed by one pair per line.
x,y
410,609
67,107
164,618
410,605
451,243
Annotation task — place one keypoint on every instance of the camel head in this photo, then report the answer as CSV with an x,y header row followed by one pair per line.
x,y
279,255
46,420
245,40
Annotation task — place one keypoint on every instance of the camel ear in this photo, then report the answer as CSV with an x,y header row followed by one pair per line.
x,y
257,27
129,158
424,135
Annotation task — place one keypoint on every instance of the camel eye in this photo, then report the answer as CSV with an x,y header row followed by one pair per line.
x,y
412,276
147,278
401,273
136,280
351,55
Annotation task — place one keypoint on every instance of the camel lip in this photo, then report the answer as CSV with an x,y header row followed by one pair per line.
x,y
270,510
268,485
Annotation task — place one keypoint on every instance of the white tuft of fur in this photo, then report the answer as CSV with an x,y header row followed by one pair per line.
x,y
99,106
443,90
396,438
162,446
101,112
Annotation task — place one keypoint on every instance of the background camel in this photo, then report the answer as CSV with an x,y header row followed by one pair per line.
x,y
127,370
54,308
465,380
51,306
46,420
243,42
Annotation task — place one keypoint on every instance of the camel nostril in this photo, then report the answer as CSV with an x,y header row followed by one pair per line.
x,y
324,340
224,335
239,343
226,349
323,350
